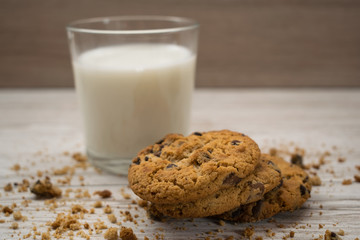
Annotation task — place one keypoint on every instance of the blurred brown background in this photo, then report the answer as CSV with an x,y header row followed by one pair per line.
x,y
257,43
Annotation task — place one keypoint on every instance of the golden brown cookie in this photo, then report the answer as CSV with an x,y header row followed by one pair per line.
x,y
265,177
183,169
289,196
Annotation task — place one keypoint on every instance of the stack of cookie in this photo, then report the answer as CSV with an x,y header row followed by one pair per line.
x,y
217,173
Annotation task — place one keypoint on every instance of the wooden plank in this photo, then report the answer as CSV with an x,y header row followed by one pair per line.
x,y
37,126
242,43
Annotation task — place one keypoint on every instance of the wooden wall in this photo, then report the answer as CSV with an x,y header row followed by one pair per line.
x,y
261,43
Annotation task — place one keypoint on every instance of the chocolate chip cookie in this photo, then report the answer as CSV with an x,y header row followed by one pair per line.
x,y
289,196
265,177
183,169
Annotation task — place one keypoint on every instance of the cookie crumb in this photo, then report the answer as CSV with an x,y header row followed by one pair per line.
x,y
16,167
112,218
79,157
45,236
346,182
78,208
248,232
331,236
221,223
315,181
61,171
14,225
341,159
107,209
357,167
86,225
64,222
341,232
103,194
8,187
357,178
45,189
39,173
269,233
127,234
111,234
142,203
98,204
99,225
17,216
7,210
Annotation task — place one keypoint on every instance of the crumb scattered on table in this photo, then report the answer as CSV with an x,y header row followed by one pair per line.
x,y
331,235
8,187
346,182
357,178
315,181
127,234
111,234
103,194
45,189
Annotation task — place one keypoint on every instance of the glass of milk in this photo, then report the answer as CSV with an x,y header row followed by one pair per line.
x,y
134,77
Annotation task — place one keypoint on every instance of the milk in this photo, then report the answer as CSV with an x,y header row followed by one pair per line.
x,y
132,95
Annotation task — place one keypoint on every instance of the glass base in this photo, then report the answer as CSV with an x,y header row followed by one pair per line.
x,y
112,165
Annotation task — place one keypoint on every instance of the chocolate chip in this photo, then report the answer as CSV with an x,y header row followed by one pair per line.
x,y
136,161
333,235
257,209
275,167
206,155
259,186
306,179
160,141
158,153
231,179
171,165
243,135
146,158
278,186
297,160
197,134
235,142
302,190
270,163
210,150
281,183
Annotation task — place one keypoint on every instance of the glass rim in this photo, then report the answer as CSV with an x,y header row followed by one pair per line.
x,y
191,24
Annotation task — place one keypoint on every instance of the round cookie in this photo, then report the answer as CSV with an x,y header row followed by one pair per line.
x,y
265,177
289,196
182,169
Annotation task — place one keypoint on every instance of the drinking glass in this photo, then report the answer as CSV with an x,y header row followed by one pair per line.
x,y
134,78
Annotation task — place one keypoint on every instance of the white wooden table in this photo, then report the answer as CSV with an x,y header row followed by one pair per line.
x,y
38,126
